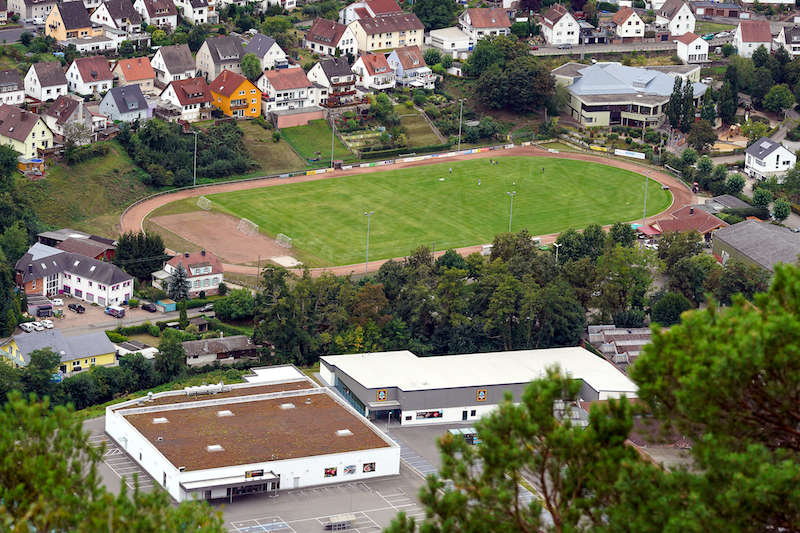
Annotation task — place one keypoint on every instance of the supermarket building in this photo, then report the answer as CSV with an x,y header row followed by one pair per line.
x,y
452,388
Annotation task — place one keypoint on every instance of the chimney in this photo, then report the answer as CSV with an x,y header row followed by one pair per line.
x,y
30,269
203,253
186,254
691,210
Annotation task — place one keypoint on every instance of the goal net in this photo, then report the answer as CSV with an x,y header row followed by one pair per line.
x,y
204,203
283,240
247,227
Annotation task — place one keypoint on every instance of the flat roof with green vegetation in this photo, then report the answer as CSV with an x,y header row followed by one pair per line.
x,y
315,137
428,205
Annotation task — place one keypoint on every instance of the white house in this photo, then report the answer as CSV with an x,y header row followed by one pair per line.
x,y
326,36
198,11
750,34
12,88
629,25
366,9
267,51
677,17
789,39
161,13
560,27
480,22
373,72
172,63
119,14
191,96
126,104
45,81
89,75
410,69
287,88
203,269
68,112
451,41
692,48
766,158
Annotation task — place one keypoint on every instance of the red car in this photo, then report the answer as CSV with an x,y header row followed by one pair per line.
x,y
534,47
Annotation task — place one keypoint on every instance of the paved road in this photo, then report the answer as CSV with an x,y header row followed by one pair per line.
x,y
12,35
603,48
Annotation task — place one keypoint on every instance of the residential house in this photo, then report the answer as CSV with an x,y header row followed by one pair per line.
x,y
89,75
559,26
335,75
198,11
451,41
373,72
88,248
750,34
287,88
220,53
590,34
45,270
68,116
70,20
785,3
172,63
3,11
761,244
77,353
223,351
766,158
118,14
692,48
191,96
160,13
410,69
607,94
24,131
388,31
789,39
327,36
628,25
287,5
366,9
676,16
54,238
12,88
45,81
136,70
204,272
480,22
690,218
126,104
235,95
29,9
267,51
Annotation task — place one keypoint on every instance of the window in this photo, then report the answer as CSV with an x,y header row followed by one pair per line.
x,y
472,413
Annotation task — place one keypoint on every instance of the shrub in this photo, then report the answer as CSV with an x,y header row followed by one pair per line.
x,y
113,336
202,295
154,330
276,136
419,99
222,289
84,153
133,303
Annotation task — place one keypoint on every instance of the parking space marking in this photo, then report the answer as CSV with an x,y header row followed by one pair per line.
x,y
272,524
121,464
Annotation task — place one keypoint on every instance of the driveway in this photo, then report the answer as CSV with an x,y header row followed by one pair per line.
x,y
94,318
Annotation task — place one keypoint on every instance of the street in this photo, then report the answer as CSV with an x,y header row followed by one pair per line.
x,y
11,35
622,47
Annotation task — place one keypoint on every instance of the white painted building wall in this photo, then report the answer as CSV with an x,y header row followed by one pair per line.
x,y
92,291
565,31
34,89
449,414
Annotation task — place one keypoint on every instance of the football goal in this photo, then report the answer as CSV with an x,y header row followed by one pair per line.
x,y
283,240
204,203
247,227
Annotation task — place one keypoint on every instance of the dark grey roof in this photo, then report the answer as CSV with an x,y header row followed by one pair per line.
x,y
129,98
791,35
337,66
259,45
11,78
225,48
120,9
74,15
762,148
727,200
223,345
177,58
763,243
50,73
198,3
46,261
88,345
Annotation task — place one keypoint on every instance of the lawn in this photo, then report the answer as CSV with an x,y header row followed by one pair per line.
x,y
427,205
559,146
418,131
703,27
273,157
88,196
313,138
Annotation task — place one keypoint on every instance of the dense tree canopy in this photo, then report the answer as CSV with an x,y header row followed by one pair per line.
x,y
140,254
435,14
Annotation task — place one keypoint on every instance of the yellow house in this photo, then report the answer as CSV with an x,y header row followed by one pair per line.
x,y
24,131
235,95
70,20
77,353
388,32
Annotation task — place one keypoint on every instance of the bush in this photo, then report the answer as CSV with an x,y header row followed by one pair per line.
x,y
154,330
115,337
222,289
276,136
267,125
133,303
446,61
632,318
419,99
745,212
84,153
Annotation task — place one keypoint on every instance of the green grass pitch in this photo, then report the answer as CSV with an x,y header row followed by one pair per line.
x,y
428,205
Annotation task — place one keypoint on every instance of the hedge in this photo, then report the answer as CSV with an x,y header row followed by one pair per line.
x,y
113,336
134,330
227,329
366,153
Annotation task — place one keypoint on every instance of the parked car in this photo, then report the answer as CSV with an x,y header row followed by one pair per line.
x,y
207,307
78,308
534,47
567,46
58,302
708,36
150,308
48,324
37,326
27,327
115,311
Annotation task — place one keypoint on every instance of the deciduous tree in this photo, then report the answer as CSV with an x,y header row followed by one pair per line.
x,y
435,14
251,66
701,135
779,98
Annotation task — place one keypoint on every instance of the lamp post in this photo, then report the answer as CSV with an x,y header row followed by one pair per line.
x,y
368,214
557,246
460,116
194,165
511,195
333,131
644,211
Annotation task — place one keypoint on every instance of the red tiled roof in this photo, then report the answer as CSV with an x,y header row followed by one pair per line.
x,y
382,7
755,31
690,218
287,78
324,31
361,12
62,108
196,259
488,17
410,57
687,38
622,15
191,91
135,69
94,69
227,82
555,13
375,62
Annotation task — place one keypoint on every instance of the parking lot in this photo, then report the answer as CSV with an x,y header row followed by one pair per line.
x,y
118,462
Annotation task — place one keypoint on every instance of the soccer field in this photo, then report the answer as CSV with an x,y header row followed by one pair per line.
x,y
429,205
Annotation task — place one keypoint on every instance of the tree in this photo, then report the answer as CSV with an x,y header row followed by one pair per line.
x,y
251,66
170,360
126,48
14,241
432,56
687,108
688,157
762,197
734,185
523,85
779,98
675,104
708,110
740,278
701,135
781,210
178,285
183,319
76,133
197,37
560,319
732,78
140,254
760,57
521,29
25,38
705,166
754,130
435,14
237,305
667,311
622,234
728,50
694,276
674,246
38,376
761,85
276,24
624,276
727,103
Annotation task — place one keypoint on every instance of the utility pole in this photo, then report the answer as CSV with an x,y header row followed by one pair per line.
x,y
511,195
644,212
194,180
557,246
460,116
368,214
333,131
